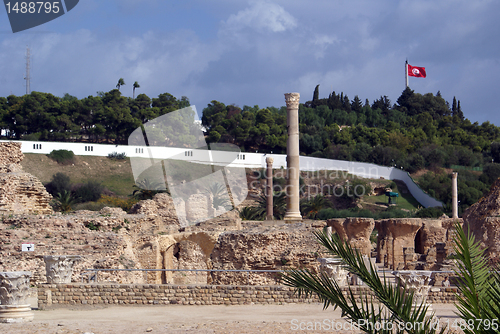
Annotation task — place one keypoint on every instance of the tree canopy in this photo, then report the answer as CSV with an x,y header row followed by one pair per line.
x,y
108,117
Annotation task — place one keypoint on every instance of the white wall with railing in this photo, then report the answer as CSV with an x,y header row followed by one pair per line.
x,y
243,159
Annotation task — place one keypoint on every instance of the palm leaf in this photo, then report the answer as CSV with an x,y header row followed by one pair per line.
x,y
386,303
478,288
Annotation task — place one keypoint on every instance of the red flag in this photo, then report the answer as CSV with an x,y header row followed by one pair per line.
x,y
414,71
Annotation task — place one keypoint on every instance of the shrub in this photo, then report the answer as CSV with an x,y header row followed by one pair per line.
x,y
64,201
429,213
392,212
89,192
117,156
63,157
491,172
59,184
32,136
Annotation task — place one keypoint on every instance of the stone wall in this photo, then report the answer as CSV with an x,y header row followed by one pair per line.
x,y
10,153
20,192
62,295
483,220
103,240
273,247
113,239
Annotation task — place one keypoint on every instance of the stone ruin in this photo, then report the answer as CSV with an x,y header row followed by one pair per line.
x,y
402,243
415,244
20,192
483,220
153,236
356,231
185,213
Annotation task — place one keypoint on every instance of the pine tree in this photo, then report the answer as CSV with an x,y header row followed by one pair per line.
x,y
356,104
405,99
346,104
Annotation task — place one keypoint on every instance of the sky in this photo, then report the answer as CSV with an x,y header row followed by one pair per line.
x,y
253,52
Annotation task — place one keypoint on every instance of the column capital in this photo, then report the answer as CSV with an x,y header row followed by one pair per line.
x,y
59,268
292,100
14,287
416,281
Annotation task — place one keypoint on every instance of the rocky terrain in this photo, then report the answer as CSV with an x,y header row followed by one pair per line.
x,y
483,220
114,239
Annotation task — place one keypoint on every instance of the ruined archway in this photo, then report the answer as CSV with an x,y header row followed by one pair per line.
x,y
419,242
187,251
185,254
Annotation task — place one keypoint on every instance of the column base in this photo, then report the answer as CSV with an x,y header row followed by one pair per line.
x,y
16,313
292,216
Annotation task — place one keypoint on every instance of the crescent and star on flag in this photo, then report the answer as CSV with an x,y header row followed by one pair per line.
x,y
414,71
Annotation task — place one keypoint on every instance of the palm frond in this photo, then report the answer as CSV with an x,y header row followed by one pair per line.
x,y
478,287
392,303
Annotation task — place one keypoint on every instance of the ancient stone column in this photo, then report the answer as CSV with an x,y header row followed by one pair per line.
x,y
454,195
14,289
402,231
292,157
59,268
358,231
334,269
416,281
269,188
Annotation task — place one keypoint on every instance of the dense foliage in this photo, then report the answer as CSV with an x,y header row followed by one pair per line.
x,y
107,117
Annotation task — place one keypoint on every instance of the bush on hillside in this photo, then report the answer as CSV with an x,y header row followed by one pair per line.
x,y
117,156
63,157
59,184
429,213
88,192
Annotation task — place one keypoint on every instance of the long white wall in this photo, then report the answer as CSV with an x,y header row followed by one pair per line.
x,y
249,160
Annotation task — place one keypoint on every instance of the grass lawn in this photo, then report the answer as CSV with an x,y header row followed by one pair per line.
x,y
404,201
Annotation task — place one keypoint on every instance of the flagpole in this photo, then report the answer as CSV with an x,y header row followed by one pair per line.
x,y
406,73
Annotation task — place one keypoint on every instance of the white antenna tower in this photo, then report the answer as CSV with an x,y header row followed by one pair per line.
x,y
28,77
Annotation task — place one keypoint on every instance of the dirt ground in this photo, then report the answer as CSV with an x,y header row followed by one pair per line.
x,y
291,318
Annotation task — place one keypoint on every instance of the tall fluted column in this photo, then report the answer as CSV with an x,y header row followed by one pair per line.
x,y
14,290
269,188
59,268
454,195
292,157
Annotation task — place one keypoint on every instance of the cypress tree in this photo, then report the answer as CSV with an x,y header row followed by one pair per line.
x,y
454,106
316,93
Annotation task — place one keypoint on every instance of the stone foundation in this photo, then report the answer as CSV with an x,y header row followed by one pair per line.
x,y
62,295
